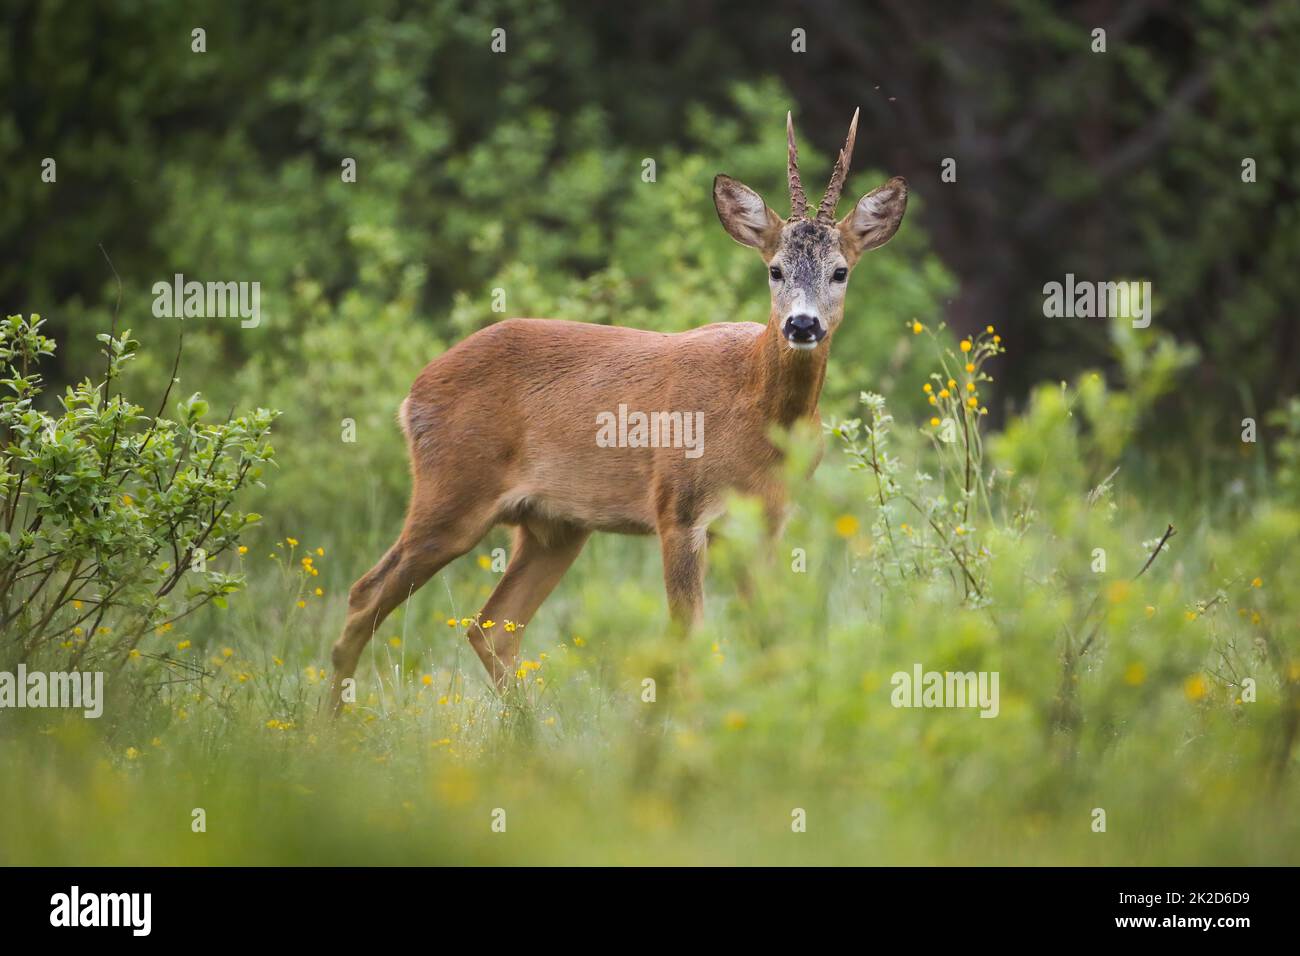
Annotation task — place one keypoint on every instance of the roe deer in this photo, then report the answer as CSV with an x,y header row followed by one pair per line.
x,y
501,429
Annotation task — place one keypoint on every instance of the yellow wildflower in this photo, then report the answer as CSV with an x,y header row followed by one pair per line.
x,y
1117,591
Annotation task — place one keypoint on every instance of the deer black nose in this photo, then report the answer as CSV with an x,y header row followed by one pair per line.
x,y
804,328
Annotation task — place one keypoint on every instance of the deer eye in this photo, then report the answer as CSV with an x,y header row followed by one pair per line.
x,y
840,274
775,273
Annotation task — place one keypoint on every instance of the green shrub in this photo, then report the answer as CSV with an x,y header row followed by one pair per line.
x,y
113,521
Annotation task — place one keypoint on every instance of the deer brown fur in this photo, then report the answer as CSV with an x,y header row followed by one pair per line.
x,y
501,428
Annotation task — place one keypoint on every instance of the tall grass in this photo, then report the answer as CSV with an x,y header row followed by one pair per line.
x,y
1121,690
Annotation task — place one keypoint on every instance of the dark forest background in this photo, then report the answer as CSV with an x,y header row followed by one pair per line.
x,y
515,170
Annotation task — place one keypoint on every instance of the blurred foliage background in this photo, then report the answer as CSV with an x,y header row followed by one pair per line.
x,y
522,171
523,168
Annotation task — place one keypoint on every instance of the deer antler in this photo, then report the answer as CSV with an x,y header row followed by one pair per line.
x,y
798,201
826,211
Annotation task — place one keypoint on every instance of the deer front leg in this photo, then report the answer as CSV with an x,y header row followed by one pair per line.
x,y
683,551
775,514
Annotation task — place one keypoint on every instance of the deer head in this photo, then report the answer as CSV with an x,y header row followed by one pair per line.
x,y
809,257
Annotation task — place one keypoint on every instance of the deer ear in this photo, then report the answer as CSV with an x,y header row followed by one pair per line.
x,y
745,216
875,218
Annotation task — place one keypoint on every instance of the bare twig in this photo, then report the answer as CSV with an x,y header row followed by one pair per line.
x,y
1169,533
1092,635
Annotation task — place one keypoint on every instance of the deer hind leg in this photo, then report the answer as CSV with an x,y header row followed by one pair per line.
x,y
541,554
425,546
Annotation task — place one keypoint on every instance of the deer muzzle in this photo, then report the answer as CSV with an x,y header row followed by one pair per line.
x,y
803,331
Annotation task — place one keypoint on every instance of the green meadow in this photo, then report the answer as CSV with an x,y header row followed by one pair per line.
x,y
1102,518
1160,690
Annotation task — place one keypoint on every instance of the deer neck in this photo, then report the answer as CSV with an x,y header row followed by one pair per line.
x,y
786,383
